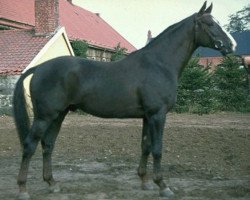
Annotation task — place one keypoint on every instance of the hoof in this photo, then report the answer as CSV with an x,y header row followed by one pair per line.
x,y
147,186
166,193
23,196
54,188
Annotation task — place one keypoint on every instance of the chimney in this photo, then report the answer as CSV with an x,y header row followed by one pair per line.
x,y
46,16
149,37
70,1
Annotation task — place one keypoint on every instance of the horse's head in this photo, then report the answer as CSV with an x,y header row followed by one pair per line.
x,y
209,33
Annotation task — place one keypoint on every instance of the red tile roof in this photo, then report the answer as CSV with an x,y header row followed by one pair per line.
x,y
19,11
78,22
18,48
83,24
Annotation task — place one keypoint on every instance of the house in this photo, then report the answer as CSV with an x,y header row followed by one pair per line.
x,y
33,31
212,58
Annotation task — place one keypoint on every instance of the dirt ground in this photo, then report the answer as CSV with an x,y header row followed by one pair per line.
x,y
204,157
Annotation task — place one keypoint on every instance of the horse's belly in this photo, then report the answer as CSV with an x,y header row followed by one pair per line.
x,y
113,108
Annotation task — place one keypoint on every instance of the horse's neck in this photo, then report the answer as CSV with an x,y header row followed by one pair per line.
x,y
175,47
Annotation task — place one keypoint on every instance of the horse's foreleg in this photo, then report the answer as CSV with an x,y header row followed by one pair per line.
x,y
48,142
146,150
157,123
29,148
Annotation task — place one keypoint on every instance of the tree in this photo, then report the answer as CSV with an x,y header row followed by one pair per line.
x,y
240,21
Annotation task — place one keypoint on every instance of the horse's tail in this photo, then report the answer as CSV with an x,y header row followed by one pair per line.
x,y
21,116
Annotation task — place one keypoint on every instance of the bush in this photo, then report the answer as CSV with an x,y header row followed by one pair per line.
x,y
80,48
230,82
119,53
223,90
194,90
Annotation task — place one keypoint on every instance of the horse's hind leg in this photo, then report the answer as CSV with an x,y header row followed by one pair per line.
x,y
146,150
48,142
29,147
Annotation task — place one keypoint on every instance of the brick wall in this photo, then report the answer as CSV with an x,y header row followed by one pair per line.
x,y
46,16
210,61
7,85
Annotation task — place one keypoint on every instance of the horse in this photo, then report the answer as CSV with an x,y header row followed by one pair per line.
x,y
142,85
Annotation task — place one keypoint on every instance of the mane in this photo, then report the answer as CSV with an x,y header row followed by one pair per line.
x,y
168,31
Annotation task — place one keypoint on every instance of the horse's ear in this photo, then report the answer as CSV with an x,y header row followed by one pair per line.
x,y
203,8
209,9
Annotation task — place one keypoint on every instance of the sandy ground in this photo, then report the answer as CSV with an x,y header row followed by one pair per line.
x,y
204,157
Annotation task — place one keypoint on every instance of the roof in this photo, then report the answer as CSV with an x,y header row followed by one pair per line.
x,y
78,22
90,27
243,47
18,48
19,11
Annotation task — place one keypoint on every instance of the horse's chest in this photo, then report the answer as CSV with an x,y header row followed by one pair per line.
x,y
156,94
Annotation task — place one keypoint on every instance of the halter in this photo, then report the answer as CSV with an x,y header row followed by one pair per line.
x,y
205,30
196,27
195,31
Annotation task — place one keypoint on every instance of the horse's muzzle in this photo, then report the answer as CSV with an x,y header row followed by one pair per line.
x,y
225,51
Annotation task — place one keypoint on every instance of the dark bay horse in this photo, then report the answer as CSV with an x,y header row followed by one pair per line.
x,y
142,85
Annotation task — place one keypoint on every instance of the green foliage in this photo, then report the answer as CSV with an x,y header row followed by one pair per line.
x,y
119,53
80,48
230,82
194,89
223,90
